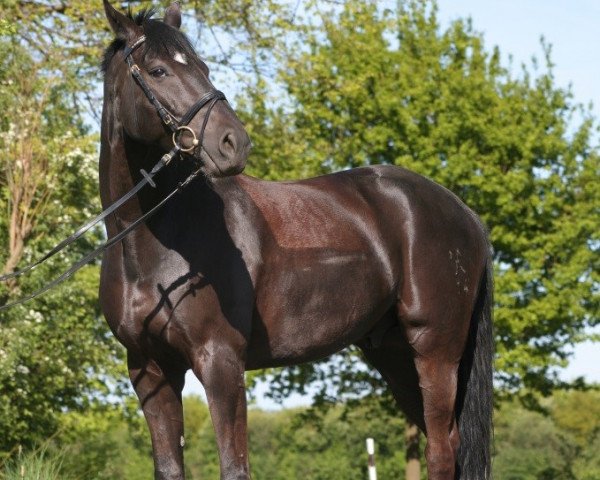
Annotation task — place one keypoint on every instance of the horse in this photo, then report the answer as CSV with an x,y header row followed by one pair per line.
x,y
235,273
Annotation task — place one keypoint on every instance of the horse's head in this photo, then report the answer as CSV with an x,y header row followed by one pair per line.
x,y
176,76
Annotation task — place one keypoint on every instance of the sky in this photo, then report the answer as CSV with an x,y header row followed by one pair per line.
x,y
572,27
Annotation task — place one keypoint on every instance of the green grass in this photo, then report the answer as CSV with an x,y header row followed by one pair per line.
x,y
36,465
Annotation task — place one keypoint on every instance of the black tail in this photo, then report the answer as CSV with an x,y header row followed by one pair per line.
x,y
475,396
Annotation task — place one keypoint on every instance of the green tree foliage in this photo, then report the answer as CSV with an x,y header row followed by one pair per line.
x,y
55,353
105,444
587,464
559,443
577,413
6,27
367,86
284,445
235,37
67,37
201,455
530,447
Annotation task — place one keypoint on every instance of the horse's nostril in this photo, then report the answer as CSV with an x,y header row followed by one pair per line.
x,y
228,145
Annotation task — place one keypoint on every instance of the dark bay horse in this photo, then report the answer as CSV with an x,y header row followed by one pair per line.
x,y
235,273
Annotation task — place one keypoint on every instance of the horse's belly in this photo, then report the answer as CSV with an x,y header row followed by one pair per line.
x,y
316,303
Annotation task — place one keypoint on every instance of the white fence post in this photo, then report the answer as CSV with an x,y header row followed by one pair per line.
x,y
371,452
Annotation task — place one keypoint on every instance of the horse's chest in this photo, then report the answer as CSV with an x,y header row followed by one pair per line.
x,y
163,310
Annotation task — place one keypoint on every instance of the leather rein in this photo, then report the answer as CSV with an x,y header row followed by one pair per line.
x,y
178,128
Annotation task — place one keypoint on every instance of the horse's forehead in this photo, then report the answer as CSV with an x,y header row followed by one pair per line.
x,y
180,58
178,55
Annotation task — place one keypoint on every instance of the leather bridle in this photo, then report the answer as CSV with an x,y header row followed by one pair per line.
x,y
177,127
168,119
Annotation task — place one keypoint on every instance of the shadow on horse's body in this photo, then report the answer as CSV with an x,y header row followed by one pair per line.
x,y
236,273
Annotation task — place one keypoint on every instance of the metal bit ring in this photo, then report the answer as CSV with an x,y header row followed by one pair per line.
x,y
176,133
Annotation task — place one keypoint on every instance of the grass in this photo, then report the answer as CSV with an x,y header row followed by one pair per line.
x,y
35,465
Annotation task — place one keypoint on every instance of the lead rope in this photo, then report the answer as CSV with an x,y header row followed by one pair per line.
x,y
164,161
211,99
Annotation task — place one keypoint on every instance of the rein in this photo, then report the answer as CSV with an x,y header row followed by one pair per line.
x,y
177,127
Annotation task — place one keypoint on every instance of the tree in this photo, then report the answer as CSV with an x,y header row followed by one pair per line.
x,y
529,446
301,444
55,353
6,27
235,37
587,464
103,444
577,414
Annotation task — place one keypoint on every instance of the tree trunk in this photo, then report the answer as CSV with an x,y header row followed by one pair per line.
x,y
413,454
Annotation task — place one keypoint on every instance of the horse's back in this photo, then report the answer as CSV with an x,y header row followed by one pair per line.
x,y
392,200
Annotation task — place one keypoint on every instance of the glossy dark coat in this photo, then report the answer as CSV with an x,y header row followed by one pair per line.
x,y
236,273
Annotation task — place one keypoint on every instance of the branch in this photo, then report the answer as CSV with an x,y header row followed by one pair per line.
x,y
47,8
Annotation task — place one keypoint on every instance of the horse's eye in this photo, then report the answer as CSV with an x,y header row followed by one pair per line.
x,y
158,72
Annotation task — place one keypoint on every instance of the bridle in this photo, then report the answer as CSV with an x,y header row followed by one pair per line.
x,y
177,127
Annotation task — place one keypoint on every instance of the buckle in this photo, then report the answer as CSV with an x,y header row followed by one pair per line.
x,y
167,157
135,70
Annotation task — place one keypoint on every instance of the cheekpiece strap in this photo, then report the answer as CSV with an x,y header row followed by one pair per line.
x,y
163,113
171,122
130,49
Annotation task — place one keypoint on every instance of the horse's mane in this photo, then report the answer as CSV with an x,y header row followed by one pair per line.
x,y
159,36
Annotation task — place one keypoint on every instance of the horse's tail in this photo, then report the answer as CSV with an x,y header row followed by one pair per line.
x,y
475,390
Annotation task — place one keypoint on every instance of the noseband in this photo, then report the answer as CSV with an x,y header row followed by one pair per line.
x,y
168,119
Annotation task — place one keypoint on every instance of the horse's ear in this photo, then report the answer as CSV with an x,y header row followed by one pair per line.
x,y
173,15
123,26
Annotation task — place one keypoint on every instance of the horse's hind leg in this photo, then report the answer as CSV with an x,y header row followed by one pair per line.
x,y
438,381
159,391
424,385
394,360
438,343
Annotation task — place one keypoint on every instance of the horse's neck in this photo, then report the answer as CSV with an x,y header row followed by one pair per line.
x,y
119,173
118,157
121,160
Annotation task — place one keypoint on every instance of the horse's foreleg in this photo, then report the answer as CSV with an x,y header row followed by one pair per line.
x,y
222,374
159,392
